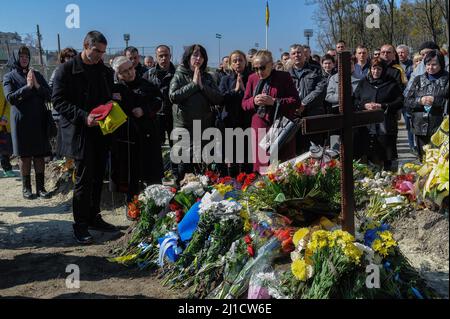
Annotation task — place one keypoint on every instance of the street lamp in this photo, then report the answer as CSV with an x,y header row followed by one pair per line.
x,y
308,34
219,37
126,37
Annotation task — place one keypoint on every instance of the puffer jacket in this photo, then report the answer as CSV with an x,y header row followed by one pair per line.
x,y
190,102
422,86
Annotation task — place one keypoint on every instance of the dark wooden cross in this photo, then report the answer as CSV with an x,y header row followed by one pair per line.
x,y
345,122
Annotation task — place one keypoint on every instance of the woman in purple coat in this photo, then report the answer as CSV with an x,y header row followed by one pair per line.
x,y
265,89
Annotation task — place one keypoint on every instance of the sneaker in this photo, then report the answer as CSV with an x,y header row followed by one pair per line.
x,y
82,235
100,225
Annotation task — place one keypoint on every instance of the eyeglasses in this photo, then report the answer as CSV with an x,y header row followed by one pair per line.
x,y
262,68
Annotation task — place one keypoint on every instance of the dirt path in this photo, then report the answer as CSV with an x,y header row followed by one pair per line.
x,y
36,246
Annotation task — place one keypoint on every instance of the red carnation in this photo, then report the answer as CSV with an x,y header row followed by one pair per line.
x,y
250,251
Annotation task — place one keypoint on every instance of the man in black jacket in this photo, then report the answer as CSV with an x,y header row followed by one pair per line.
x,y
388,54
81,85
311,87
160,76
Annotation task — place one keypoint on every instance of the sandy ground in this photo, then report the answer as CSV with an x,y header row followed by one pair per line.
x,y
36,246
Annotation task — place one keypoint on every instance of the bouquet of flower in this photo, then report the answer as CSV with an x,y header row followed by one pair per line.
x,y
301,192
264,256
334,256
225,232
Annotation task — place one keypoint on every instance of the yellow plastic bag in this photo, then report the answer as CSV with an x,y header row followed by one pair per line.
x,y
113,120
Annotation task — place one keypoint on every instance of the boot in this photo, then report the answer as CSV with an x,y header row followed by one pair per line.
x,y
40,189
26,187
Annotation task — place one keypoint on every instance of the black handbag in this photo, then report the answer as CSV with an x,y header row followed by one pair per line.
x,y
50,125
280,133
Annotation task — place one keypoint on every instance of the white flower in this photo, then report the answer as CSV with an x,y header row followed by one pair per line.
x,y
204,180
172,214
195,188
295,255
160,194
310,271
301,245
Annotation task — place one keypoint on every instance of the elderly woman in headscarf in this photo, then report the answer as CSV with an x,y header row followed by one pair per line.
x,y
136,158
379,91
27,92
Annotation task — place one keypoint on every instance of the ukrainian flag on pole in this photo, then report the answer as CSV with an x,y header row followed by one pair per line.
x,y
267,24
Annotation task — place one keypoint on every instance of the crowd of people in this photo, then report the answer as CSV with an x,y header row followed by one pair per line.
x,y
244,92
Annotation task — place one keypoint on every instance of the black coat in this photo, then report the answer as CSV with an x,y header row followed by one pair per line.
x,y
161,79
140,70
422,86
235,115
28,113
75,94
386,92
136,152
311,88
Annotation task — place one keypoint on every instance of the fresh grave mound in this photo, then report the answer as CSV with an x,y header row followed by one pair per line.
x,y
272,236
423,237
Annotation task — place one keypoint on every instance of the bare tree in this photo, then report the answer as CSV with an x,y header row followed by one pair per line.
x,y
429,9
30,40
444,7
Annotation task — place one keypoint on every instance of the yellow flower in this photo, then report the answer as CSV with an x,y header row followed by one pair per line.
x,y
385,244
246,218
300,269
299,235
223,189
319,240
353,253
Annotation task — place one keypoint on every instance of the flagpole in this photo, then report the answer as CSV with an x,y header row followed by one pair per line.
x,y
267,24
267,37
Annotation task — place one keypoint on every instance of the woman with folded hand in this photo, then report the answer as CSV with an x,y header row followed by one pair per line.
x,y
136,158
266,89
27,92
378,91
194,93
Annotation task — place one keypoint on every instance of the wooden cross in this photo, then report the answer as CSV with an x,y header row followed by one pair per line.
x,y
345,122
